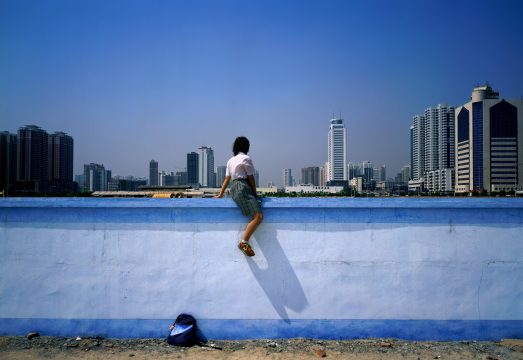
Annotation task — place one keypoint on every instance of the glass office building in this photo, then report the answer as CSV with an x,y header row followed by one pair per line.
x,y
489,143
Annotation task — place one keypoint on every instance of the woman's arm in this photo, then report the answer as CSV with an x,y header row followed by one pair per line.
x,y
224,186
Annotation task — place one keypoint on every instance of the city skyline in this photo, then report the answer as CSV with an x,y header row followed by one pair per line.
x,y
133,81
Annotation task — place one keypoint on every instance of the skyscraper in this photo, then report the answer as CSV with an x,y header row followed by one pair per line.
x,y
411,133
61,154
310,175
337,158
439,138
8,150
167,179
287,177
192,169
405,174
220,175
181,178
206,167
367,172
418,147
432,148
322,175
96,177
489,142
379,173
161,178
153,173
354,170
32,160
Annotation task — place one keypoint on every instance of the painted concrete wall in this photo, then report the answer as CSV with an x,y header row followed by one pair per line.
x,y
324,268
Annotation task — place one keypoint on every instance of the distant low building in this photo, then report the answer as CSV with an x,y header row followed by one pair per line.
x,y
440,180
125,184
309,188
385,186
357,184
417,186
267,190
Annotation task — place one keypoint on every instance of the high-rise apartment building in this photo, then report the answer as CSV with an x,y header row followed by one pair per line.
x,y
405,174
411,133
161,178
337,148
79,179
418,147
354,170
168,179
192,169
96,178
206,167
432,148
287,177
323,175
489,143
439,138
153,173
367,172
61,155
379,173
32,160
8,144
310,175
180,178
220,175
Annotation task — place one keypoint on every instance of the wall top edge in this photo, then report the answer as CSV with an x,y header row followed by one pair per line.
x,y
268,203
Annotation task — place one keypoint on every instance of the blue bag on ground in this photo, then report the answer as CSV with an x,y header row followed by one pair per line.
x,y
183,331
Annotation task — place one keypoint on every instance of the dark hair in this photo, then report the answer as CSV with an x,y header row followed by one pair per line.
x,y
241,144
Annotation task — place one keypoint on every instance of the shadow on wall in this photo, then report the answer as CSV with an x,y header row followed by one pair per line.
x,y
278,279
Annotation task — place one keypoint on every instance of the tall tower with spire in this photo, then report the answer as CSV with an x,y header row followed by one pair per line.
x,y
337,158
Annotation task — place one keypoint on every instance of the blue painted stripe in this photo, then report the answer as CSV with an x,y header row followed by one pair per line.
x,y
480,216
344,202
273,329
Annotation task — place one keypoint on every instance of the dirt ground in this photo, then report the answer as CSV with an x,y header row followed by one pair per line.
x,y
19,348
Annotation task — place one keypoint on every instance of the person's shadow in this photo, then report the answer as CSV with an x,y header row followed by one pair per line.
x,y
276,276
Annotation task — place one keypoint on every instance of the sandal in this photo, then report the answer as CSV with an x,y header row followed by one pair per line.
x,y
245,248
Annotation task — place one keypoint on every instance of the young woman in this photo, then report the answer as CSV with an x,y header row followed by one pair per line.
x,y
243,190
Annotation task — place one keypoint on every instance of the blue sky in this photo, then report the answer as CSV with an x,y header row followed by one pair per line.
x,y
133,81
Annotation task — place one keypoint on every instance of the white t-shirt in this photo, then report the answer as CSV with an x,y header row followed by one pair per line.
x,y
239,166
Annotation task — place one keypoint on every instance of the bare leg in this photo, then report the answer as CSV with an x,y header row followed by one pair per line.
x,y
252,225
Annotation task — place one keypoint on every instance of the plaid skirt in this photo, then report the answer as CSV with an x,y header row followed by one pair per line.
x,y
242,194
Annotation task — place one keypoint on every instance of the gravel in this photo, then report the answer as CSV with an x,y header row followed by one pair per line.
x,y
505,349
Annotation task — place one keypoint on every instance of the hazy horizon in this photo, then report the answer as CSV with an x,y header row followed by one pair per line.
x,y
132,81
